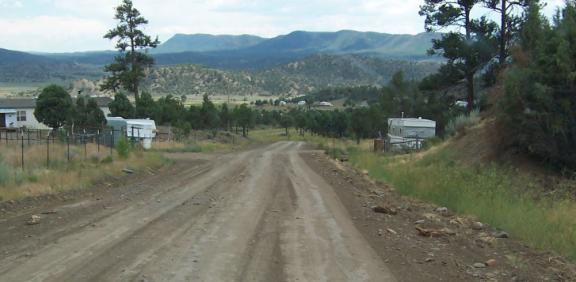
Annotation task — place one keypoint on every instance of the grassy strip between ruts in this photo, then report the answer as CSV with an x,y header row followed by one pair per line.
x,y
495,194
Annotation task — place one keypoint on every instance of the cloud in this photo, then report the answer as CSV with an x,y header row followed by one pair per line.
x,y
11,4
72,25
51,33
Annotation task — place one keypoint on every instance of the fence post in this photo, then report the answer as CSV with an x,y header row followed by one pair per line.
x,y
68,146
98,141
85,141
48,151
22,152
112,142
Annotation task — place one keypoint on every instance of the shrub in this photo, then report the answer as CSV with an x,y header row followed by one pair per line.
x,y
123,148
458,124
107,160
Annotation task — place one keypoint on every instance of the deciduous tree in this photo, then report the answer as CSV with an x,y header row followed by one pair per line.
x,y
54,106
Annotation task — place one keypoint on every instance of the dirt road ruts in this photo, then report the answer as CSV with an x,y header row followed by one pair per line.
x,y
259,215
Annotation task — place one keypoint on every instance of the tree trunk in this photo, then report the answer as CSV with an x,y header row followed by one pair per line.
x,y
503,32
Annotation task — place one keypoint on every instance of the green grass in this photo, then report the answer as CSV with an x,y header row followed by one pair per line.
x,y
494,194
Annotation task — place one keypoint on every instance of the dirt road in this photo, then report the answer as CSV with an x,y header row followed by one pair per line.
x,y
258,215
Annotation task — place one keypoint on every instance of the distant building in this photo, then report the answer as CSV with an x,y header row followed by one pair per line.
x,y
302,103
17,113
461,104
410,132
282,103
325,104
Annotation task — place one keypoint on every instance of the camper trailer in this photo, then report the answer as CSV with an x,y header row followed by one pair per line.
x,y
140,130
408,133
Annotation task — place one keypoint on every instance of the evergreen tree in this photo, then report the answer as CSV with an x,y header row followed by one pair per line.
x,y
121,106
146,106
462,50
129,67
94,115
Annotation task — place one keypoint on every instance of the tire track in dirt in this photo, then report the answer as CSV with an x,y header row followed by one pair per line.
x,y
259,215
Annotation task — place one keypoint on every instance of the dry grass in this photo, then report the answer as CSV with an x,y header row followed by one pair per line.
x,y
87,165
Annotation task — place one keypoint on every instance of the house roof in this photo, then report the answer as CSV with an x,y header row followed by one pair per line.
x,y
17,103
30,103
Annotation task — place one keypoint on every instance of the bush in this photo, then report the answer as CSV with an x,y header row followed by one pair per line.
x,y
107,160
458,124
123,148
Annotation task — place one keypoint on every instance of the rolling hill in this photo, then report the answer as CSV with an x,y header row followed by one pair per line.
x,y
20,67
206,43
293,79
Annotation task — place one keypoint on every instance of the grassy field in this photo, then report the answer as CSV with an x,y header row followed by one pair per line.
x,y
495,194
232,99
16,90
82,171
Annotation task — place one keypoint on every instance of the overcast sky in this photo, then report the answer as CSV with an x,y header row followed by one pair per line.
x,y
78,25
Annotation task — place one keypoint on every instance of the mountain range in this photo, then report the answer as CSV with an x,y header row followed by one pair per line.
x,y
360,51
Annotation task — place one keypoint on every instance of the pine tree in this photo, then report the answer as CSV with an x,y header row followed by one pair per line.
x,y
129,67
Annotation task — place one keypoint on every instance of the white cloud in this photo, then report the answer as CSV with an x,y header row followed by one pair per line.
x,y
51,33
11,3
72,25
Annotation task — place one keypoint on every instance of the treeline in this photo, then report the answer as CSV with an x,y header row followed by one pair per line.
x,y
56,108
399,98
537,110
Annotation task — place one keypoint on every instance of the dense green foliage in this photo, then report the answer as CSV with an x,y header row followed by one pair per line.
x,y
538,109
129,67
87,114
54,106
121,106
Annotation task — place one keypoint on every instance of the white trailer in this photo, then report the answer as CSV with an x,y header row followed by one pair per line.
x,y
143,130
409,132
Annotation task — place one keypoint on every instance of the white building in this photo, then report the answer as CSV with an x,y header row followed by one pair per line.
x,y
410,132
17,113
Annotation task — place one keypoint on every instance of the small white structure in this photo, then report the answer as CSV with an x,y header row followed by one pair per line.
x,y
302,103
142,130
409,132
325,104
282,103
461,104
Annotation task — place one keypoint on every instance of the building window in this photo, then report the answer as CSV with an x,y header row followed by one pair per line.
x,y
21,116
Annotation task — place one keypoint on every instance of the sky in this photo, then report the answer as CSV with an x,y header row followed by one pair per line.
x,y
78,25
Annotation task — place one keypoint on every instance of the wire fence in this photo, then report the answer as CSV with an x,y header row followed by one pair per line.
x,y
36,148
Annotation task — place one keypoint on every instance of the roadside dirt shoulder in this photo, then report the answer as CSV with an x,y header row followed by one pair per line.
x,y
423,242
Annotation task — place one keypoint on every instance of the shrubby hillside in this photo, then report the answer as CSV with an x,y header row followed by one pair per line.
x,y
299,77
